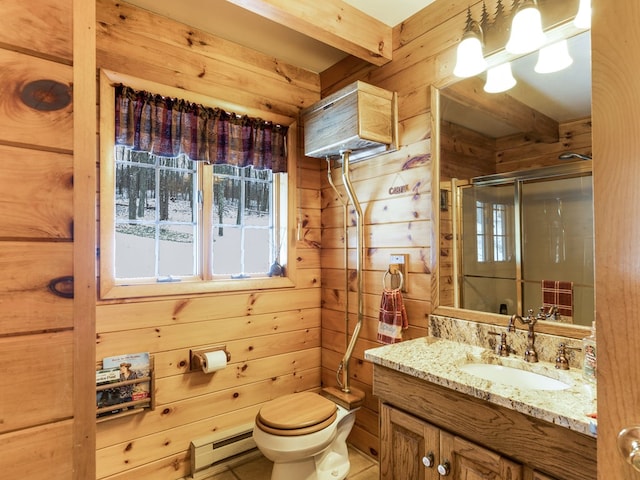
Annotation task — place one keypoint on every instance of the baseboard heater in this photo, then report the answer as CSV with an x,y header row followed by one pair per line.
x,y
209,451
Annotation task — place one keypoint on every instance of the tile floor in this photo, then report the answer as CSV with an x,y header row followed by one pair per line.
x,y
256,467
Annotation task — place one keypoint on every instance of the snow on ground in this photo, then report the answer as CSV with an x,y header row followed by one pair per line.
x,y
135,245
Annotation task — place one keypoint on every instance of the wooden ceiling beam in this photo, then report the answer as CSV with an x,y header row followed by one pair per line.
x,y
333,22
506,109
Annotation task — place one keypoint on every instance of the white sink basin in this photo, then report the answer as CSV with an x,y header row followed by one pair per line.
x,y
513,377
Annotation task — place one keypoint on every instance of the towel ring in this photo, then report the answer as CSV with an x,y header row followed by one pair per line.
x,y
384,279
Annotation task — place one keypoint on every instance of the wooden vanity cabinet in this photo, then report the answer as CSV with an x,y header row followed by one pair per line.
x,y
409,447
424,425
413,449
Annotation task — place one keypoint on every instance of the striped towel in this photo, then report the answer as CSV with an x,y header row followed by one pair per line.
x,y
393,317
559,294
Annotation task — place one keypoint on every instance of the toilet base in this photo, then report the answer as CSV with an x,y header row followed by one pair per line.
x,y
332,464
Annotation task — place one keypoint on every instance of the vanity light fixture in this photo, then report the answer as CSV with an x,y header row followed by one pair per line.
x,y
499,79
526,29
526,36
553,58
470,60
583,17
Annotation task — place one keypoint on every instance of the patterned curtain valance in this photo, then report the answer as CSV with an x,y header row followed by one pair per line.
x,y
170,127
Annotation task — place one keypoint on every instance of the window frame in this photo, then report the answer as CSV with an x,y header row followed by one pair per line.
x,y
109,287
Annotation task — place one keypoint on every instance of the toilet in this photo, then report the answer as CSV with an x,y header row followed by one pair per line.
x,y
305,436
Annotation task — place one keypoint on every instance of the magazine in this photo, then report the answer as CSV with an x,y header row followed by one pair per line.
x,y
129,367
106,397
107,375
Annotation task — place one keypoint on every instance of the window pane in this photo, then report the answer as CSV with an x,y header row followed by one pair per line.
x,y
257,250
500,252
480,240
135,250
226,201
227,255
176,197
257,203
176,250
135,192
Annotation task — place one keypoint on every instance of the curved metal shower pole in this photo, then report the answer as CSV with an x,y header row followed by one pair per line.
x,y
344,364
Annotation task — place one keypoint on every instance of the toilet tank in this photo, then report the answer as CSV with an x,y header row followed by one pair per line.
x,y
360,117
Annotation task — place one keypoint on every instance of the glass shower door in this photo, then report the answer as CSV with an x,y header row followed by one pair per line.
x,y
557,226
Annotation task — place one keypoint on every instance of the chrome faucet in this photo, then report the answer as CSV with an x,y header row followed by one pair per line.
x,y
530,354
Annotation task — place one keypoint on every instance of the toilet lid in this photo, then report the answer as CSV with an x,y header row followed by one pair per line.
x,y
296,414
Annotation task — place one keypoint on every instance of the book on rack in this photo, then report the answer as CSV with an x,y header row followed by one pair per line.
x,y
129,368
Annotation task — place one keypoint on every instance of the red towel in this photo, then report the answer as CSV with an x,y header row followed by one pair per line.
x,y
393,317
559,294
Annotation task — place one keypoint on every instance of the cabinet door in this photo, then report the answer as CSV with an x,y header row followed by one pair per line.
x,y
409,447
468,461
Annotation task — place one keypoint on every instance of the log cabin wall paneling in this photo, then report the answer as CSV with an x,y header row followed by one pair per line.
x,y
273,336
424,54
36,240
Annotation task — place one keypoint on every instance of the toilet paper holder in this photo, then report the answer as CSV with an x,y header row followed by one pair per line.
x,y
196,357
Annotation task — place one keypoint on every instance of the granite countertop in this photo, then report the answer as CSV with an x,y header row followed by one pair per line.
x,y
437,360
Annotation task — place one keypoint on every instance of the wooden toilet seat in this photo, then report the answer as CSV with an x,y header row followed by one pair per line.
x,y
296,414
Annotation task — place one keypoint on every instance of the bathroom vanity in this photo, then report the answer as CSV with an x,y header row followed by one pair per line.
x,y
438,421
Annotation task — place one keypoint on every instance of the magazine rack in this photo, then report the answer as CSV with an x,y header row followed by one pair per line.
x,y
128,408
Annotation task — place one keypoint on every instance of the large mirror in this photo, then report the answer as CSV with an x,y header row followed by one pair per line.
x,y
516,200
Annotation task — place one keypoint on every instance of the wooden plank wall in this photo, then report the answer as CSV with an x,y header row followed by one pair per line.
x,y
424,53
36,241
273,336
517,152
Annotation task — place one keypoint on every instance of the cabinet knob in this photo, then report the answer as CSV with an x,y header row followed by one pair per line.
x,y
428,460
444,468
629,445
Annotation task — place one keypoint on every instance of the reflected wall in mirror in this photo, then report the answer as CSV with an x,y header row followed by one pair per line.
x,y
521,211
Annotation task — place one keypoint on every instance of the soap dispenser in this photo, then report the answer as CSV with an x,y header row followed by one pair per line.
x,y
590,357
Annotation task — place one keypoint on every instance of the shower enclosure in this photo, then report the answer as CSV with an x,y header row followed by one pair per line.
x,y
521,235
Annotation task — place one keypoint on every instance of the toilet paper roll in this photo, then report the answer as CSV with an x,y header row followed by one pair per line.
x,y
214,361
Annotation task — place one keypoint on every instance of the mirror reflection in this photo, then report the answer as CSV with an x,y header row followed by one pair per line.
x,y
516,192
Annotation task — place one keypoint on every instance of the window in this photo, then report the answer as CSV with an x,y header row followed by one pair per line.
x,y
492,232
172,225
242,221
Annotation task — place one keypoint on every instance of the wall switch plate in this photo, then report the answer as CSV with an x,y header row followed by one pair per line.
x,y
398,264
398,259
